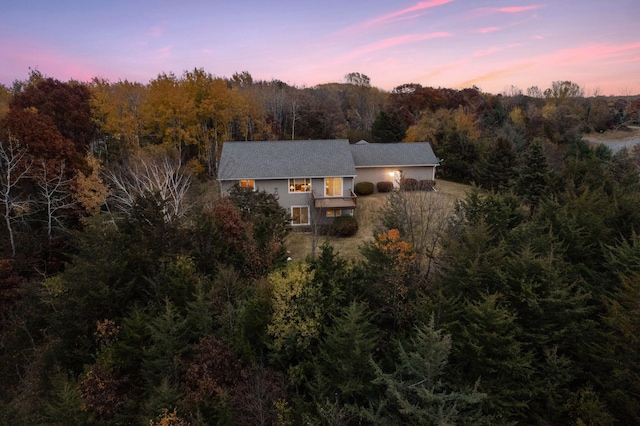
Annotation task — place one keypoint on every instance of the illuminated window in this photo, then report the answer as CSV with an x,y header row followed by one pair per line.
x,y
300,185
300,215
334,212
248,183
333,187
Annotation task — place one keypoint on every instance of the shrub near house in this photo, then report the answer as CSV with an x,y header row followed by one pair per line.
x,y
364,188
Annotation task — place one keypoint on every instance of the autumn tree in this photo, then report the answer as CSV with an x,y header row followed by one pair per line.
x,y
457,138
118,113
411,100
90,189
5,97
42,139
563,91
68,106
169,113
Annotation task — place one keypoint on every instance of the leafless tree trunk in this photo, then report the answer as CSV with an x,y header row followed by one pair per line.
x,y
142,177
294,117
14,167
421,216
55,195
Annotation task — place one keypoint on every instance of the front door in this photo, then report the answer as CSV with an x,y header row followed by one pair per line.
x,y
396,179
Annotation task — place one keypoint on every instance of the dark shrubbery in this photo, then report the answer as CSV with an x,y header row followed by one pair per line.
x,y
385,186
344,226
427,185
364,188
408,184
324,229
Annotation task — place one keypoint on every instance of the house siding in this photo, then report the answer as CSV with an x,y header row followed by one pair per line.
x,y
384,174
280,188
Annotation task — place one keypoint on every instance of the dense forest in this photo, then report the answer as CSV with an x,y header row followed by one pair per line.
x,y
131,292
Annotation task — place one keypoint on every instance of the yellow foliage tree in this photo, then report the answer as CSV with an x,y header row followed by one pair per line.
x,y
296,311
90,190
516,116
118,112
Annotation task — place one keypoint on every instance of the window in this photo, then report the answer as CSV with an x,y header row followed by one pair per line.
x,y
248,183
334,212
300,185
300,215
333,187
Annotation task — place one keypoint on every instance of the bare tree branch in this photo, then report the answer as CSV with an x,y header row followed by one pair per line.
x,y
143,177
56,195
15,165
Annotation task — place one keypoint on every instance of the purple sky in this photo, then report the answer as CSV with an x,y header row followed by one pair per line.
x,y
442,43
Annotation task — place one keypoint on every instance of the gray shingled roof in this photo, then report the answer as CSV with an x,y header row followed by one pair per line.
x,y
393,154
285,159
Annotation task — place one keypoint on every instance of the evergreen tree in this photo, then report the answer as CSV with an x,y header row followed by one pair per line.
x,y
388,128
533,173
498,168
168,334
342,372
416,393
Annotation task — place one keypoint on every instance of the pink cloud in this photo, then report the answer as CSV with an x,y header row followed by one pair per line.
x,y
445,69
156,31
567,64
493,75
48,60
598,52
624,61
487,51
509,9
409,12
488,30
518,9
164,52
399,40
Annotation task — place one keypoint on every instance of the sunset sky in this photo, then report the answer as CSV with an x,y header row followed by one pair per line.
x,y
439,43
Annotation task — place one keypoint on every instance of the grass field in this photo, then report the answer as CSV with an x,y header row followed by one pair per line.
x,y
368,214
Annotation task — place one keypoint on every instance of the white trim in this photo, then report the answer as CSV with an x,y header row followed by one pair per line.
x,y
308,215
341,186
290,184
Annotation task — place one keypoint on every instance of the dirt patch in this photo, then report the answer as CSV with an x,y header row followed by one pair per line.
x,y
615,139
368,214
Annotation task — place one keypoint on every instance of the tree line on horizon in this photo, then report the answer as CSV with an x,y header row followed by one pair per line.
x,y
131,292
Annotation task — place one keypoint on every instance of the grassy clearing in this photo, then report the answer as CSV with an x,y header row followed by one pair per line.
x,y
368,215
613,135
